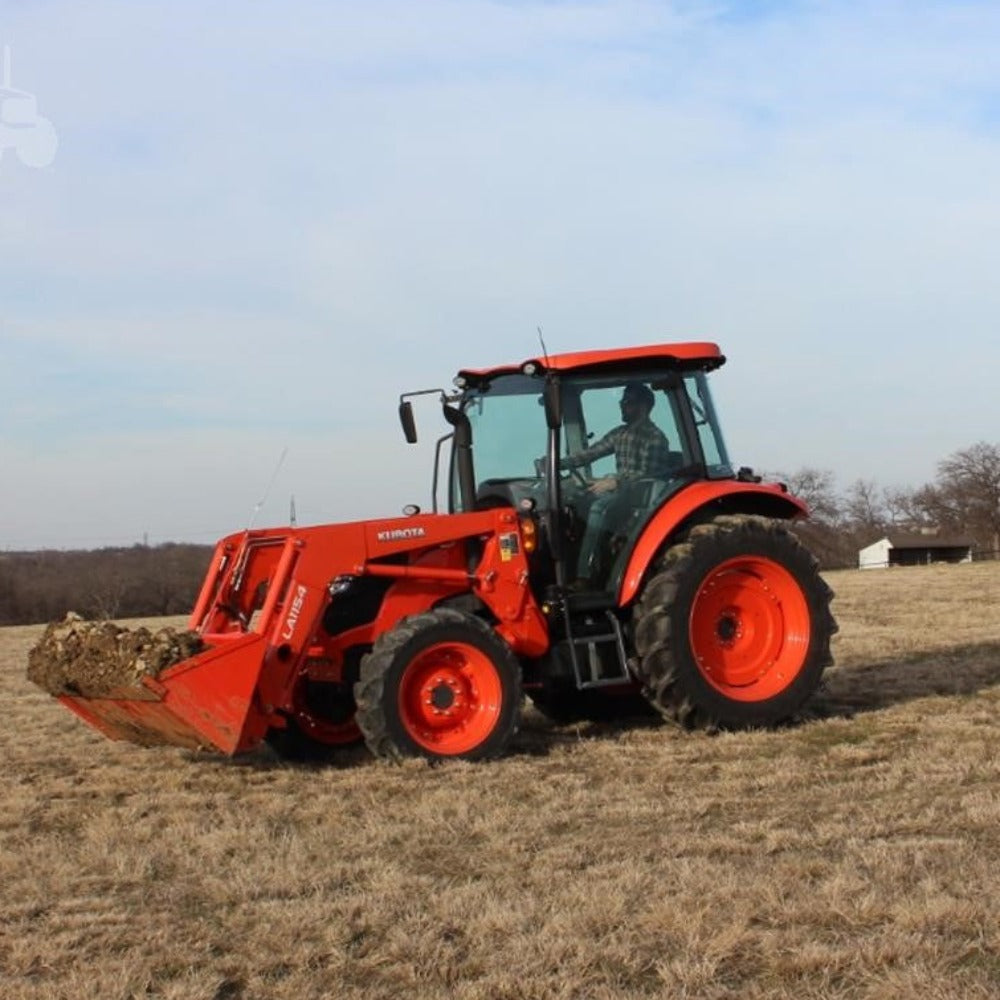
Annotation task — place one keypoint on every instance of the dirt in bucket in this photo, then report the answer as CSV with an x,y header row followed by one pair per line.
x,y
92,659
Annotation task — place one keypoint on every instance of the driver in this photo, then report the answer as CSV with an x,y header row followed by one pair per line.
x,y
641,451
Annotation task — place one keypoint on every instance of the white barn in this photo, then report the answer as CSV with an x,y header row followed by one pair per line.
x,y
902,549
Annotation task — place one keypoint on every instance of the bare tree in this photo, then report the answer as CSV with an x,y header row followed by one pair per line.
x,y
966,494
865,507
903,508
817,489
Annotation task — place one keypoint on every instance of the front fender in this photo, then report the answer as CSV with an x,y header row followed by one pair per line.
x,y
721,497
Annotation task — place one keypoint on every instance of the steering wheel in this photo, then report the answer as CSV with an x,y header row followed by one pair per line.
x,y
573,471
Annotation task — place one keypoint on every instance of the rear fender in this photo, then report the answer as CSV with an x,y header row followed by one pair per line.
x,y
703,500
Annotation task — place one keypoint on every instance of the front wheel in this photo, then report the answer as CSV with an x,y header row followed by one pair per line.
x,y
734,629
440,684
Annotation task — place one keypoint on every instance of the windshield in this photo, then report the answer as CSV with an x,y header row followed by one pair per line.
x,y
508,435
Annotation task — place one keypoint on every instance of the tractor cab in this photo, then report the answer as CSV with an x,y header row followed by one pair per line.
x,y
594,444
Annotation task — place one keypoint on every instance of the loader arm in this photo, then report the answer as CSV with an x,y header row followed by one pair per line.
x,y
260,613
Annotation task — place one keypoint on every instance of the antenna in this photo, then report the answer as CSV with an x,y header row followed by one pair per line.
x,y
6,67
291,512
274,475
545,350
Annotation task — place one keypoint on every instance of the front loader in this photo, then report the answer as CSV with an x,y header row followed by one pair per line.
x,y
420,634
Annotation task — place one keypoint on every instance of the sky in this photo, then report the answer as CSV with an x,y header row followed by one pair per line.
x,y
263,222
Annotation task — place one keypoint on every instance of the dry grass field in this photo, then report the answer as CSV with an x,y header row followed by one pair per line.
x,y
854,854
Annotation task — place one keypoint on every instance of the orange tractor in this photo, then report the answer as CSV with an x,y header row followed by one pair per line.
x,y
592,573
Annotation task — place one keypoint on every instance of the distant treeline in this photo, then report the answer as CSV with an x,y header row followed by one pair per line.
x,y
963,500
102,583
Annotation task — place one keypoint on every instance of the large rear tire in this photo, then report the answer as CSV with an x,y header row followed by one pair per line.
x,y
734,628
441,684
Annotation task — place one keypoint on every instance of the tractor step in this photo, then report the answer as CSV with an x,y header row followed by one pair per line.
x,y
598,635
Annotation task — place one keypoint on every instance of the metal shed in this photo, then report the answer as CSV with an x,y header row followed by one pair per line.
x,y
904,549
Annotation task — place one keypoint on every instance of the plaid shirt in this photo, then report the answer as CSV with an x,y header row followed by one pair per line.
x,y
640,449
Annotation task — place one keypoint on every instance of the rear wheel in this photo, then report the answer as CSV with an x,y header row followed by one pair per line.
x,y
440,684
734,629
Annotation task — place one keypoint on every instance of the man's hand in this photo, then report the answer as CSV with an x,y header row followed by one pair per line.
x,y
606,485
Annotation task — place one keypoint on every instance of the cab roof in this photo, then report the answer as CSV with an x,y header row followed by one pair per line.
x,y
689,355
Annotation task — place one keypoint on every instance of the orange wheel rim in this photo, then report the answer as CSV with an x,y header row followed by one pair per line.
x,y
749,628
450,698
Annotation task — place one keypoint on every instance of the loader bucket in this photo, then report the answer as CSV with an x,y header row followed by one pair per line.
x,y
224,696
204,701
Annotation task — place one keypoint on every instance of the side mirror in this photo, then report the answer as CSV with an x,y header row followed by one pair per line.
x,y
406,419
553,404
